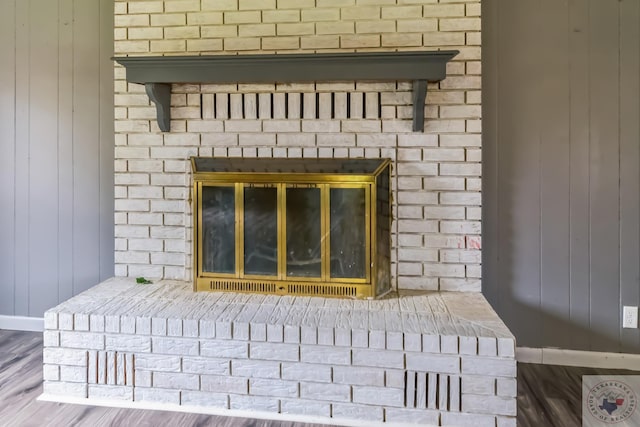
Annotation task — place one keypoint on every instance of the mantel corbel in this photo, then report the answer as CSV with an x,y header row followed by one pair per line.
x,y
157,73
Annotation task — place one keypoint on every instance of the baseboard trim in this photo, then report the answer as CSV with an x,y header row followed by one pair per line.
x,y
589,359
155,406
22,323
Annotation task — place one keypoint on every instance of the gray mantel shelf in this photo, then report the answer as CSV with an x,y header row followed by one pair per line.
x,y
157,73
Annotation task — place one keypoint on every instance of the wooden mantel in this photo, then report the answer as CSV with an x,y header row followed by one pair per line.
x,y
157,73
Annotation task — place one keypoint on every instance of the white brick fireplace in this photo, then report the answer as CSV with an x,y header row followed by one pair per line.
x,y
432,339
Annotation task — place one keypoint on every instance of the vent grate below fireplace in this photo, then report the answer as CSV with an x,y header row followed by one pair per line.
x,y
288,288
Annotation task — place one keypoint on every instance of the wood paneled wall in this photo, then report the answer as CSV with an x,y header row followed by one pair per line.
x,y
56,151
561,153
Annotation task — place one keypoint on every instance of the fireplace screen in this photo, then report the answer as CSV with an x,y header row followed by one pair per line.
x,y
292,226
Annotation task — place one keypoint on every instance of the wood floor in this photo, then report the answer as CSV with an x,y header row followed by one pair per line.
x,y
547,396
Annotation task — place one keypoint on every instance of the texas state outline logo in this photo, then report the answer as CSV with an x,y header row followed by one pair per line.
x,y
610,401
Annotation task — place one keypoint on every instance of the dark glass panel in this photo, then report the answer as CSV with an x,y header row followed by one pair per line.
x,y
218,229
304,248
348,233
261,231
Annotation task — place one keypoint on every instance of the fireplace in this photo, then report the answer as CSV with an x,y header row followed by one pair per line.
x,y
292,226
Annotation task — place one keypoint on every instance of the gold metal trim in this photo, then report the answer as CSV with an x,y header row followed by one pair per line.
x,y
282,284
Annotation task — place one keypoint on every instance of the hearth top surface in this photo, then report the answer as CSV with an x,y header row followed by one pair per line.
x,y
451,314
302,166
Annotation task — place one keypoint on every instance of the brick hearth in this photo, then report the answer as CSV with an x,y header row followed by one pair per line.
x,y
418,357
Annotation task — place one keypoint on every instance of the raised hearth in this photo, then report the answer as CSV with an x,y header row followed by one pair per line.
x,y
425,358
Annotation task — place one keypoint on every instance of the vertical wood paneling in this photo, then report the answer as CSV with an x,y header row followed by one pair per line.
x,y
65,150
519,204
604,192
86,147
43,152
22,152
106,178
56,136
629,164
578,164
490,96
563,141
553,111
7,158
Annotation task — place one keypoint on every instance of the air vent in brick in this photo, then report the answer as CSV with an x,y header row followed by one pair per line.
x,y
314,105
433,391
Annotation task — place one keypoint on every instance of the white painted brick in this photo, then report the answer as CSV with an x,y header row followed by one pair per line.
x,y
448,364
65,321
51,338
209,366
81,322
487,346
307,372
142,378
506,421
323,391
379,396
449,344
466,420
143,394
489,366
186,347
65,389
110,392
63,356
253,403
96,323
133,343
82,340
157,362
198,398
492,405
506,387
395,378
357,412
325,355
171,380
50,320
274,351
275,388
255,369
358,376
412,416
305,407
376,358
224,384
472,384
223,349
51,372
506,347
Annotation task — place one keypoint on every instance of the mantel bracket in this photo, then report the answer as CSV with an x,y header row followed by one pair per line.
x,y
160,95
419,98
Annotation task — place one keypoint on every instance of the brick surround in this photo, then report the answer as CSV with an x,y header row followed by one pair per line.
x,y
436,234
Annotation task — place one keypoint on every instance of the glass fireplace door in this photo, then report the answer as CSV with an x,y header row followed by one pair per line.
x,y
349,236
303,223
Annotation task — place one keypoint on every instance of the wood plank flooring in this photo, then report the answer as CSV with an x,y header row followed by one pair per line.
x,y
547,396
